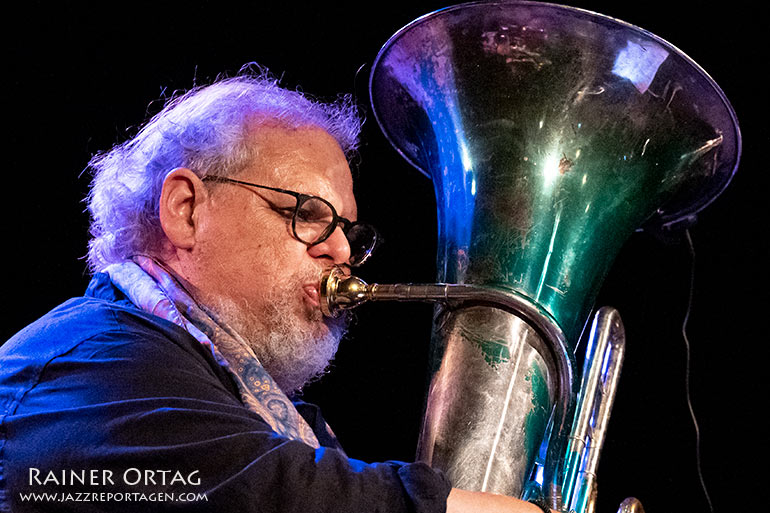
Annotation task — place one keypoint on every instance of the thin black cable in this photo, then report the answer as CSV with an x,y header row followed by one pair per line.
x,y
691,249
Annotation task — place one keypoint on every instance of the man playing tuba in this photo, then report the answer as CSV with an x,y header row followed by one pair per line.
x,y
168,385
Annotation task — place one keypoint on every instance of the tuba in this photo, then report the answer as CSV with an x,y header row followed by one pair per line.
x,y
551,134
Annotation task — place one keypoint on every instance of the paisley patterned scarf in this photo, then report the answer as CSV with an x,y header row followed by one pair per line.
x,y
153,289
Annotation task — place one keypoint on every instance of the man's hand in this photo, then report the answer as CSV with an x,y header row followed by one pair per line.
x,y
463,501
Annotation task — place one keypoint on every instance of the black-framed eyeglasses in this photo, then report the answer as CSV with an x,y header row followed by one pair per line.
x,y
314,219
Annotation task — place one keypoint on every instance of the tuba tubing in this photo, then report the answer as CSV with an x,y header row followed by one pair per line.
x,y
601,374
601,369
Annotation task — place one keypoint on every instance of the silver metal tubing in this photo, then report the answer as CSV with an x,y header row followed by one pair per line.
x,y
340,292
601,373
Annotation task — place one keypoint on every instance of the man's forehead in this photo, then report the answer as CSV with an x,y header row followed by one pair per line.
x,y
306,159
310,148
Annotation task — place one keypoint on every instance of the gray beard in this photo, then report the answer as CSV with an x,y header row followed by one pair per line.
x,y
295,348
293,352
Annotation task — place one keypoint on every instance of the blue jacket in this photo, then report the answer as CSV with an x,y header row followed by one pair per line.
x,y
104,407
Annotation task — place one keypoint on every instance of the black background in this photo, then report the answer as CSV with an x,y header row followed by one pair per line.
x,y
81,77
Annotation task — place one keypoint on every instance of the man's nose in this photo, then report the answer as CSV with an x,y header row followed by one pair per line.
x,y
336,247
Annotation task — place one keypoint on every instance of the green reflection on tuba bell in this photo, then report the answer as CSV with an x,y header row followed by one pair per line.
x,y
550,134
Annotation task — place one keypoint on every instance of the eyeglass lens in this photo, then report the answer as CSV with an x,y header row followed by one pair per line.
x,y
361,238
312,220
312,223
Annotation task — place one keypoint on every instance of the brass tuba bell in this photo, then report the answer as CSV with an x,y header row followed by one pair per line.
x,y
551,134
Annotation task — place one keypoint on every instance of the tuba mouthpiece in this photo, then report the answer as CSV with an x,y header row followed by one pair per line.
x,y
340,292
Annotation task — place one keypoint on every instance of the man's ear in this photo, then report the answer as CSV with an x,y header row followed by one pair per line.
x,y
183,192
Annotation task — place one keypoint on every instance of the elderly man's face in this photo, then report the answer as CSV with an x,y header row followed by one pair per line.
x,y
251,269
